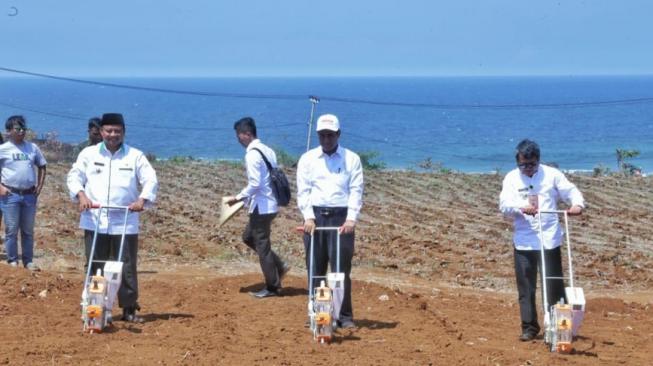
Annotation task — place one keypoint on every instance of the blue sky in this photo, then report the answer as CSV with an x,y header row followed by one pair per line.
x,y
335,37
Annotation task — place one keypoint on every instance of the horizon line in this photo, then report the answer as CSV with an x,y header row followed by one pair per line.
x,y
328,76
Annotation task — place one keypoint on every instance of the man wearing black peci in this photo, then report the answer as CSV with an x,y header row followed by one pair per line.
x,y
113,173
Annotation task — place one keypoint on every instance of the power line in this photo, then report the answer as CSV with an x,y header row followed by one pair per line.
x,y
54,114
135,125
342,99
492,106
159,90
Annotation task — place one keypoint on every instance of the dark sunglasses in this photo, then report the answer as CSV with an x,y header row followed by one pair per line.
x,y
20,129
527,165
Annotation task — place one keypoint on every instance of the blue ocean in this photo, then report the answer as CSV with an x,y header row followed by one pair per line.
x,y
468,124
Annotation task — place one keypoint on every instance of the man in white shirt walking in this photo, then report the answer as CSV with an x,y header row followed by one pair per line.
x,y
262,205
109,174
330,193
526,190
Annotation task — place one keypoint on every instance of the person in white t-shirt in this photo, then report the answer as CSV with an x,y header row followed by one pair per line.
x,y
19,190
528,188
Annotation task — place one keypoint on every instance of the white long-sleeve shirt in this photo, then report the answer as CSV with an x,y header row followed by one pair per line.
x,y
258,192
330,181
112,180
550,185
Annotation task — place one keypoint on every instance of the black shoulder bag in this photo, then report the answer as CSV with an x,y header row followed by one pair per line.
x,y
280,186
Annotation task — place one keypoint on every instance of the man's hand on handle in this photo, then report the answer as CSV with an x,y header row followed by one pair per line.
x,y
529,210
309,226
84,202
138,205
347,227
574,211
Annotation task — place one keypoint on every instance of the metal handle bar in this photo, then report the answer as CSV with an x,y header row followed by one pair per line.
x,y
97,205
566,216
312,254
326,228
571,268
95,234
109,207
331,228
301,228
558,212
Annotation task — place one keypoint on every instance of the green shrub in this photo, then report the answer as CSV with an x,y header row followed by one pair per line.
x,y
368,164
434,166
600,171
180,159
284,158
627,169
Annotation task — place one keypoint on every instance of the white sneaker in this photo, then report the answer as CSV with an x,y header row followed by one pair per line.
x,y
32,267
13,264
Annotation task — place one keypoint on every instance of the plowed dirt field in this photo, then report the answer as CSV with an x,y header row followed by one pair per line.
x,y
433,280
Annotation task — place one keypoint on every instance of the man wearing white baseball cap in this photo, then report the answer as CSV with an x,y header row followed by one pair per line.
x,y
330,193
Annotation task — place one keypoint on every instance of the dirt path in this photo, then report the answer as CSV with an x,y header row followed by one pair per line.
x,y
196,315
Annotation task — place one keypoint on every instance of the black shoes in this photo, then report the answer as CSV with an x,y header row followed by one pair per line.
x,y
346,324
265,293
527,336
129,314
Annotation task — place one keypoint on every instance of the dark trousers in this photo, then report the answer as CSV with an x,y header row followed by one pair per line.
x,y
257,237
107,247
527,263
325,250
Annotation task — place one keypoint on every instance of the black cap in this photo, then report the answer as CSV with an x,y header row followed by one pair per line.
x,y
112,119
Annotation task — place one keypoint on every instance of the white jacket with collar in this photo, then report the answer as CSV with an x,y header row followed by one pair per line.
x,y
112,180
551,186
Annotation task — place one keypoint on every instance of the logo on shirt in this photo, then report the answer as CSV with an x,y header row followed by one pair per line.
x,y
523,193
19,156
